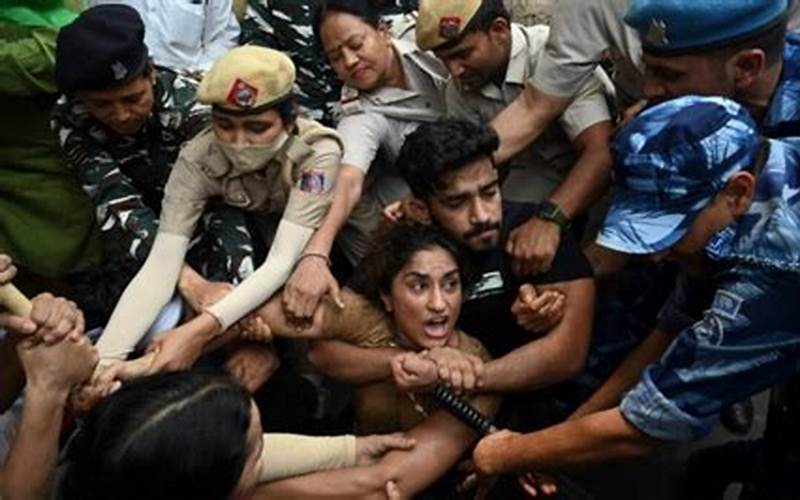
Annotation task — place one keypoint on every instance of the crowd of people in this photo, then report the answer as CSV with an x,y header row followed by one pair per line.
x,y
262,238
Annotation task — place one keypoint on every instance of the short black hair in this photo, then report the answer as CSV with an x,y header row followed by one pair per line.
x,y
367,10
393,248
436,149
481,21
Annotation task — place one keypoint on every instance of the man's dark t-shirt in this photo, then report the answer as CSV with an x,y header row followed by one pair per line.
x,y
486,313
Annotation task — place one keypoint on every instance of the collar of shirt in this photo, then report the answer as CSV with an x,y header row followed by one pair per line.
x,y
417,65
768,234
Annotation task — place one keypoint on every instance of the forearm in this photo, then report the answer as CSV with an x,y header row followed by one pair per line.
x,y
440,441
288,455
589,178
354,483
346,194
144,297
597,438
33,456
289,240
524,120
557,356
352,364
626,375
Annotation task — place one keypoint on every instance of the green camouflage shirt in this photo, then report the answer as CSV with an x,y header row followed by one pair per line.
x,y
125,176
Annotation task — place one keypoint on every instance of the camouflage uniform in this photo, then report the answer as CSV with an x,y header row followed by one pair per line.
x,y
125,177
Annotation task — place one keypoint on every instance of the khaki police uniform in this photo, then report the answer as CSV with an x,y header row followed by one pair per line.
x,y
583,35
375,124
294,182
297,184
373,128
537,171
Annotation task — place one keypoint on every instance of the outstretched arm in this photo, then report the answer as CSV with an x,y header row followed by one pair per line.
x,y
626,375
440,441
596,438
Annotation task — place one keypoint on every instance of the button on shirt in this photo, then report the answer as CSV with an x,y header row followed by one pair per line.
x,y
185,34
541,167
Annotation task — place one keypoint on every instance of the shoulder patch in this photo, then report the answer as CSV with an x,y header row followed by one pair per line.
x,y
727,304
313,182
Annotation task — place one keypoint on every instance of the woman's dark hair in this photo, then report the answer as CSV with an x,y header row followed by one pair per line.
x,y
287,109
436,149
367,10
167,436
393,249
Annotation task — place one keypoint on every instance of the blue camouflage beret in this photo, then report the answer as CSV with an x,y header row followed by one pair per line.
x,y
102,48
669,162
679,26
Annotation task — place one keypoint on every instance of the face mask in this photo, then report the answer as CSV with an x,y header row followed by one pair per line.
x,y
247,158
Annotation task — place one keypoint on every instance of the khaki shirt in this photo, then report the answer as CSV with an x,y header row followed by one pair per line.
x,y
298,183
380,407
584,33
379,121
541,167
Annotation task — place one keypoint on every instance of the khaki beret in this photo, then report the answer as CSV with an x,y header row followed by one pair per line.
x,y
248,78
440,21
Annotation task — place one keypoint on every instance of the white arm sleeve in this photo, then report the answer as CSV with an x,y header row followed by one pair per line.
x,y
288,455
145,296
289,241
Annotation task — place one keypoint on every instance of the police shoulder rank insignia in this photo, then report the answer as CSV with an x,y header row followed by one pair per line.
x,y
242,94
449,27
657,33
119,70
312,181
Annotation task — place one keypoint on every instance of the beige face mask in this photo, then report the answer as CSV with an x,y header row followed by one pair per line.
x,y
246,158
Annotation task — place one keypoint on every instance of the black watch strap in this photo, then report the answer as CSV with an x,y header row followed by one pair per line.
x,y
549,211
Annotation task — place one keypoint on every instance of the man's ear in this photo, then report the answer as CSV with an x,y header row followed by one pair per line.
x,y
738,192
500,28
417,210
748,65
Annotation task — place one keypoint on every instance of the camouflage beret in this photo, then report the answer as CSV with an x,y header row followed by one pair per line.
x,y
248,78
440,21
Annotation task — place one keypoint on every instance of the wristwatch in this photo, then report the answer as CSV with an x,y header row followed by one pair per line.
x,y
549,211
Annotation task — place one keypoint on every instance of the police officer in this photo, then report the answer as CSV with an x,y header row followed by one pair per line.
x,y
121,123
741,51
489,60
390,87
694,180
258,156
